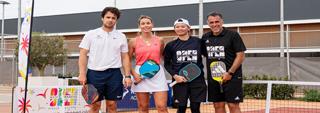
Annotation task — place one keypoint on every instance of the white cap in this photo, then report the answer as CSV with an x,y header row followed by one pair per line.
x,y
181,20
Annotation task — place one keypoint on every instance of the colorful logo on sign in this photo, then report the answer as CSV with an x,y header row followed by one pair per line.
x,y
63,97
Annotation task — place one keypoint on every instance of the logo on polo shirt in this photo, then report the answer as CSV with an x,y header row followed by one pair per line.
x,y
237,98
176,101
99,36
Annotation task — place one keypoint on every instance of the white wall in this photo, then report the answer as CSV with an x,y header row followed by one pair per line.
x,y
42,81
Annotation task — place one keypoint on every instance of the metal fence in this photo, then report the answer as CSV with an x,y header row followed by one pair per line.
x,y
263,97
256,42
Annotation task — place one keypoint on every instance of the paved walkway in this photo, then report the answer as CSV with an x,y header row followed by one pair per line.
x,y
5,107
5,99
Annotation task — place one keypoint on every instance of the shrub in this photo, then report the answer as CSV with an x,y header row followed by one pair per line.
x,y
259,91
73,82
311,95
69,76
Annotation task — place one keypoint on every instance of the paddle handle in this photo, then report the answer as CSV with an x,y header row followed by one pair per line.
x,y
173,83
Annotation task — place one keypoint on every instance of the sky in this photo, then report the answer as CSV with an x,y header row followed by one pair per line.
x,y
60,7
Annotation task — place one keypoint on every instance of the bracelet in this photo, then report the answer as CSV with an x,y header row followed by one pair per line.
x,y
127,77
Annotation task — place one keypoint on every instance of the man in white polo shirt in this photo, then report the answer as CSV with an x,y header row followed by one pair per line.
x,y
103,51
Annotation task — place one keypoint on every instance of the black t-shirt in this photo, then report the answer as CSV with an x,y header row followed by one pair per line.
x,y
179,53
222,48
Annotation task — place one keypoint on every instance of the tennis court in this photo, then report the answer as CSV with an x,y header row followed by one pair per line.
x,y
257,106
246,107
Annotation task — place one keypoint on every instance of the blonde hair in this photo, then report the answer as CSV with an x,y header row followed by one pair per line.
x,y
144,17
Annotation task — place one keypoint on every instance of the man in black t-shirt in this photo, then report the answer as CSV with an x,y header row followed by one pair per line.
x,y
178,53
227,47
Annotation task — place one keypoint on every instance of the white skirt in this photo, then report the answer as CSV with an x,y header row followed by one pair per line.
x,y
155,84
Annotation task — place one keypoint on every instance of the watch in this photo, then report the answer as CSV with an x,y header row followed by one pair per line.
x,y
230,73
127,76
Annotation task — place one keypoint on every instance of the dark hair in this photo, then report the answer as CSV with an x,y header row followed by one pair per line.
x,y
214,13
113,10
144,17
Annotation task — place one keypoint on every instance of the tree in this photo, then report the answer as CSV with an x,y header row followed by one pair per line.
x,y
46,50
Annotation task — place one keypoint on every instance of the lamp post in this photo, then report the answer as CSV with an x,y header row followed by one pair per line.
x,y
19,18
2,28
281,28
200,18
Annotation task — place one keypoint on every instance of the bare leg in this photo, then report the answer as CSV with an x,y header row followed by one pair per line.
x,y
160,99
234,107
143,102
94,108
111,106
219,107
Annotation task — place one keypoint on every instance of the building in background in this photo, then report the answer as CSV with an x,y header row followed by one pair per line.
x,y
257,21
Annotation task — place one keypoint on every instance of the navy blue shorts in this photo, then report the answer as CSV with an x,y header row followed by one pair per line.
x,y
108,83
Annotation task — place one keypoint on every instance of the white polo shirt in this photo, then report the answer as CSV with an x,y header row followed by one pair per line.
x,y
105,48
